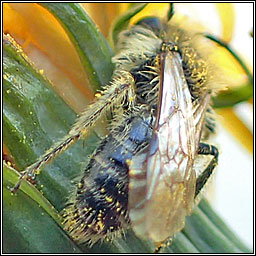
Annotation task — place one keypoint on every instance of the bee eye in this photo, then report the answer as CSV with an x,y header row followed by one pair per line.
x,y
152,23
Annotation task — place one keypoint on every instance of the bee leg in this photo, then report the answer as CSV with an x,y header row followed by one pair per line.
x,y
121,89
210,124
161,245
206,149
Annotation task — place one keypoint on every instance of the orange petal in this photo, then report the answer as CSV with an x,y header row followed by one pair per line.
x,y
7,157
47,45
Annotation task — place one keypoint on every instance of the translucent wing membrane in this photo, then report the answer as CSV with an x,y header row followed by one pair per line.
x,y
162,180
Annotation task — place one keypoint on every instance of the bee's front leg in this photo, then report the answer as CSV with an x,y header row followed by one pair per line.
x,y
120,89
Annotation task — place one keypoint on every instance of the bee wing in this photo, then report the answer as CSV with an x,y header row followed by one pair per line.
x,y
162,180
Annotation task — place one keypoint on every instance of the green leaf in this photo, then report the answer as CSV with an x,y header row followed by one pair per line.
x,y
233,96
11,177
34,117
27,228
92,48
123,20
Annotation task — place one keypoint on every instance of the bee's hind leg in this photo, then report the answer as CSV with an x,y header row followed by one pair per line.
x,y
161,245
121,89
206,149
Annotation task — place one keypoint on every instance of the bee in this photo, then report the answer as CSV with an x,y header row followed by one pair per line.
x,y
143,173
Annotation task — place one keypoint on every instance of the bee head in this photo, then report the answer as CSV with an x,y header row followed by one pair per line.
x,y
153,23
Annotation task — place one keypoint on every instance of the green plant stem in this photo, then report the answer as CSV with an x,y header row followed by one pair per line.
x,y
170,12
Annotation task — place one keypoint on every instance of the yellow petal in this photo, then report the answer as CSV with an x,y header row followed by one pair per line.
x,y
231,70
227,16
103,14
236,127
152,9
124,7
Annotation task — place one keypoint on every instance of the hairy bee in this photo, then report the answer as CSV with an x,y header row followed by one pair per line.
x,y
142,174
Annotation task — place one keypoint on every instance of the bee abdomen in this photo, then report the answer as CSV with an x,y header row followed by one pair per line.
x,y
100,208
